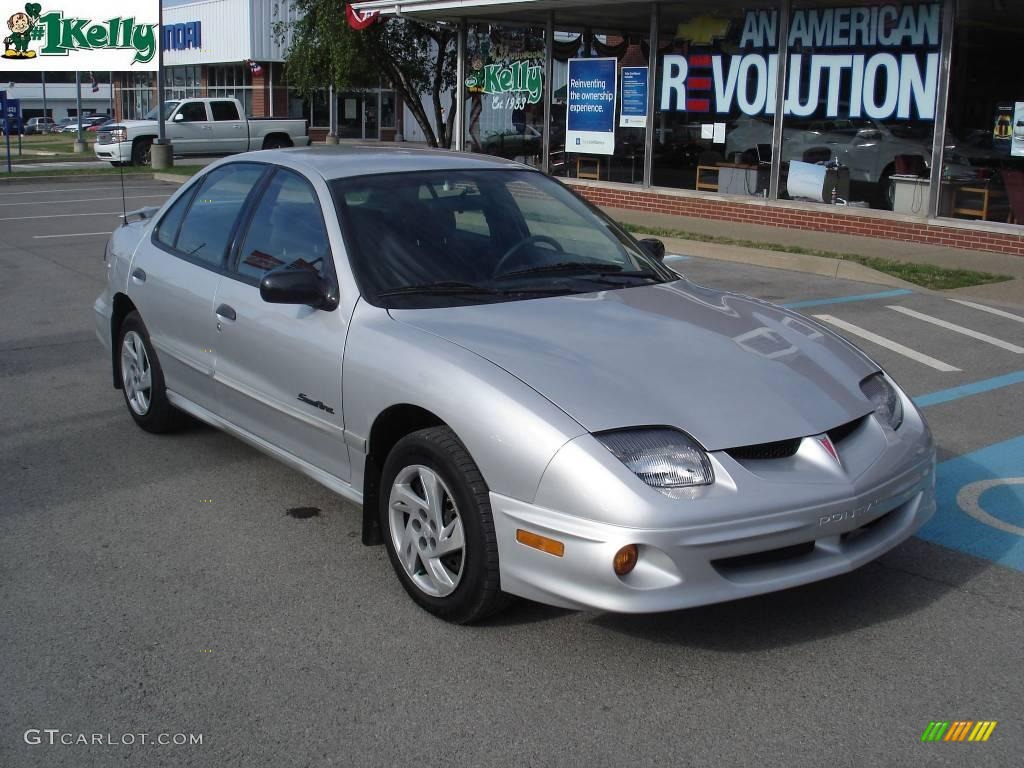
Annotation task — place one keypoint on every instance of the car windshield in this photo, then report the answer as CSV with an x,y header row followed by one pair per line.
x,y
168,108
450,238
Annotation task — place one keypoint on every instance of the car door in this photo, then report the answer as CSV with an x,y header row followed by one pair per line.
x,y
174,277
230,129
279,366
191,130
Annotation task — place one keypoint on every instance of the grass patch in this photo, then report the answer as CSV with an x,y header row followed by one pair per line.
x,y
925,275
178,170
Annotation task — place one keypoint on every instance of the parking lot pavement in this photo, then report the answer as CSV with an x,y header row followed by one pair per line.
x,y
158,585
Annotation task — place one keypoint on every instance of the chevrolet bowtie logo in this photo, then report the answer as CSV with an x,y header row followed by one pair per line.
x,y
703,30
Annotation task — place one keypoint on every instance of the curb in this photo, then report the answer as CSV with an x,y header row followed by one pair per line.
x,y
794,262
173,178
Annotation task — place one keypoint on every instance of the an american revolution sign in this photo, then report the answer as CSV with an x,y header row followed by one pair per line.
x,y
878,62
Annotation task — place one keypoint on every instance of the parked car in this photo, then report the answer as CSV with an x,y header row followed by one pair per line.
x,y
37,125
532,403
198,127
99,122
520,140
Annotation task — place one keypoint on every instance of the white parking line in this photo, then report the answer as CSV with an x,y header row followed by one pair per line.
x,y
895,346
993,310
76,234
78,189
960,329
85,200
64,215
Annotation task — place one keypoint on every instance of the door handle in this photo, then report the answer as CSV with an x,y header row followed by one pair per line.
x,y
228,313
139,275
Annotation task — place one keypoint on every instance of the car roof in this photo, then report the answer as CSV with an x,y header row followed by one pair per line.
x,y
344,162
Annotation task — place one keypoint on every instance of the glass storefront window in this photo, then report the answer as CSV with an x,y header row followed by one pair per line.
x,y
388,110
505,92
715,98
860,103
983,163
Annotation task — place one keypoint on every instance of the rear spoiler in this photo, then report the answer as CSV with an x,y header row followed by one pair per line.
x,y
143,213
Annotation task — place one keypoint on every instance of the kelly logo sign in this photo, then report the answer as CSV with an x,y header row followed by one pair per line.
x,y
880,62
83,36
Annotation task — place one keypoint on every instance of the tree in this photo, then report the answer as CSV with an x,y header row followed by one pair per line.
x,y
412,57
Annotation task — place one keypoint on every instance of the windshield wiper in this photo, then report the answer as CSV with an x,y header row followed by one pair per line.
x,y
443,288
595,267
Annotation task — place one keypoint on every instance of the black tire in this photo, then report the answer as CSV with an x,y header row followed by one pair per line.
x,y
142,152
160,416
886,192
478,592
276,142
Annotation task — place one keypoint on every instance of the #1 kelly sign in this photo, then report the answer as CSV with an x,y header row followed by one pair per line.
x,y
81,35
590,106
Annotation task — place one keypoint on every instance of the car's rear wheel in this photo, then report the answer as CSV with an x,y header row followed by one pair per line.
x,y
436,514
142,379
276,142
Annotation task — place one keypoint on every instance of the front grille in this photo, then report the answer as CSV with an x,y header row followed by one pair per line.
x,y
856,533
843,431
764,558
781,449
104,137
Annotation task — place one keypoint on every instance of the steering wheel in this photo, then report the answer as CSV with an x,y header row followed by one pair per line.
x,y
531,240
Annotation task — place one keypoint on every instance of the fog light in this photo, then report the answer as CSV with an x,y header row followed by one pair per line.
x,y
543,543
625,560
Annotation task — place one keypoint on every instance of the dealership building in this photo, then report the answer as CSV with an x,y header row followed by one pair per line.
x,y
896,120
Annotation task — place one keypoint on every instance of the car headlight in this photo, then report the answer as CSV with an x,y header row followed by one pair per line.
x,y
661,457
885,398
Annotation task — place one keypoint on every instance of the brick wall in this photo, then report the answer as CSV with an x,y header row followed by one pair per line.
x,y
792,216
259,93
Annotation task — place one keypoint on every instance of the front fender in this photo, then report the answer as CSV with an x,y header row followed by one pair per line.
x,y
510,430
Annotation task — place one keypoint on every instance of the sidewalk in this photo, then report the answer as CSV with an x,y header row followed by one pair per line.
x,y
1010,292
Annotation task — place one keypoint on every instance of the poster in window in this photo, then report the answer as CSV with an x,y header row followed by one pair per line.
x,y
1017,146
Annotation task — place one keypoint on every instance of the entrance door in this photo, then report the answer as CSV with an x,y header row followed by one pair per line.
x,y
350,115
371,116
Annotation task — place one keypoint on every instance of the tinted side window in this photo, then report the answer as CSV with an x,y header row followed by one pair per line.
x,y
224,110
208,225
167,228
287,229
193,112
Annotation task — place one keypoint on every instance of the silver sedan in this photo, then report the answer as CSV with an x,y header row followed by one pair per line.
x,y
522,397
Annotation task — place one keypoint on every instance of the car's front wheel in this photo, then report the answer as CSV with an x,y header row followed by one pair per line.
x,y
142,379
436,514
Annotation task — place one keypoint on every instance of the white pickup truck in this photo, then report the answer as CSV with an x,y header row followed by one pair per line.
x,y
198,127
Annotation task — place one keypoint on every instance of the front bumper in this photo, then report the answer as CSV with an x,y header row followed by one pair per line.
x,y
120,152
756,536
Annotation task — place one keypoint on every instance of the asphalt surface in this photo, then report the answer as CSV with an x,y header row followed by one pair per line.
x,y
156,585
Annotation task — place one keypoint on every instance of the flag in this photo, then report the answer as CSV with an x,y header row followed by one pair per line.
x,y
360,19
254,66
95,85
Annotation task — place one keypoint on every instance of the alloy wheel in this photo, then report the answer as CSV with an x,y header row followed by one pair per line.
x,y
426,530
136,374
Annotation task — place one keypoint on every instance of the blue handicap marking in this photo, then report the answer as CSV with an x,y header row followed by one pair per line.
x,y
981,504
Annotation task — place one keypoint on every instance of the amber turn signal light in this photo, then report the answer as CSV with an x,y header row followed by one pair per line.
x,y
625,559
543,543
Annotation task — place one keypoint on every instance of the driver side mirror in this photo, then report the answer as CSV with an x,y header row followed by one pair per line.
x,y
178,117
654,247
298,286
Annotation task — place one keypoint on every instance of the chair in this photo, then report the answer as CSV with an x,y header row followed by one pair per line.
x,y
909,165
1014,182
592,172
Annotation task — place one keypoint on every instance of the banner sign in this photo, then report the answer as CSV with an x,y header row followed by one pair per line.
x,y
880,62
504,71
82,35
590,106
633,113
1017,145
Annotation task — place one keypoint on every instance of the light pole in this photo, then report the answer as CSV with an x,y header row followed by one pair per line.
x,y
79,146
162,153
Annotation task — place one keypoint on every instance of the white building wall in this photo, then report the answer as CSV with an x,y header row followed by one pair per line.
x,y
225,23
266,14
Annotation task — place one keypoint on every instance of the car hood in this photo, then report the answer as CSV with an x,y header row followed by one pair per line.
x,y
728,369
130,124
